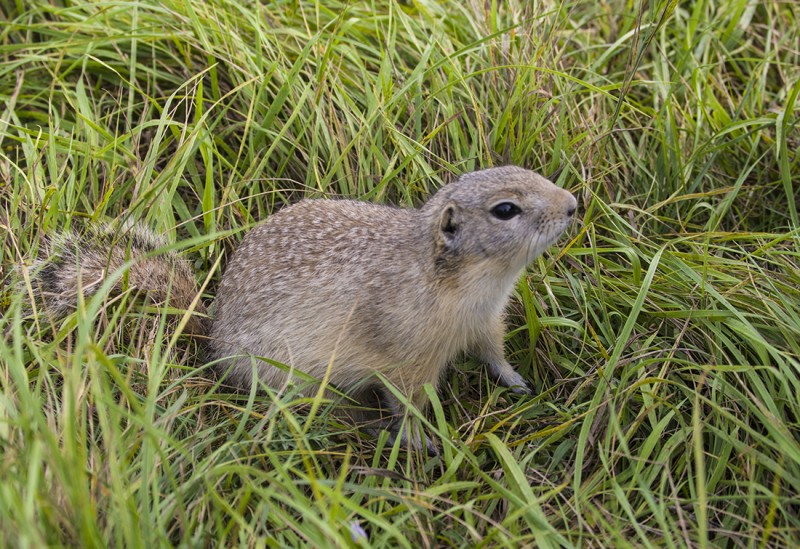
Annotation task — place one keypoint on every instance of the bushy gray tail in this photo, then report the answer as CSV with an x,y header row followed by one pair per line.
x,y
70,263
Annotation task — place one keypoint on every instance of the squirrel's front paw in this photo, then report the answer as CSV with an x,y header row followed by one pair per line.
x,y
522,389
510,378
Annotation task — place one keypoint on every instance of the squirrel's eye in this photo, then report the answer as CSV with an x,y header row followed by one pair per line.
x,y
506,210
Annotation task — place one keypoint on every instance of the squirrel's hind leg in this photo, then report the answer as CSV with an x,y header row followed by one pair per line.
x,y
383,411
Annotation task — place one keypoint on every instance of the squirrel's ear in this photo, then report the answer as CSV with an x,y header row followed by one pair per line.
x,y
449,225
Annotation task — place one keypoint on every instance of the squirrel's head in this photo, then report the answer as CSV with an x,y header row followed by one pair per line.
x,y
498,218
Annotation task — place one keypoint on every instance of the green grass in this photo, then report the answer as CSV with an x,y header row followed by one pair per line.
x,y
662,335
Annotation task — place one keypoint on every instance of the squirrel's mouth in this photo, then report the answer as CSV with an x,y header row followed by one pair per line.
x,y
543,239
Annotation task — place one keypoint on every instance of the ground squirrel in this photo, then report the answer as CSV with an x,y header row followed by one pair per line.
x,y
361,287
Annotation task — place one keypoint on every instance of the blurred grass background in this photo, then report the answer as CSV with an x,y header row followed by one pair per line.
x,y
662,334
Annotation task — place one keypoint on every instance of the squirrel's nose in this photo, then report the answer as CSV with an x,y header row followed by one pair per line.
x,y
572,205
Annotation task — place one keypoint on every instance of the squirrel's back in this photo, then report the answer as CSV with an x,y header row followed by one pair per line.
x,y
321,280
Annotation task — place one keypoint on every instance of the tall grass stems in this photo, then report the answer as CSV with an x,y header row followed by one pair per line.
x,y
662,334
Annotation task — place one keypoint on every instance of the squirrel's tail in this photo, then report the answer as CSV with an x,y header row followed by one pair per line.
x,y
71,263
